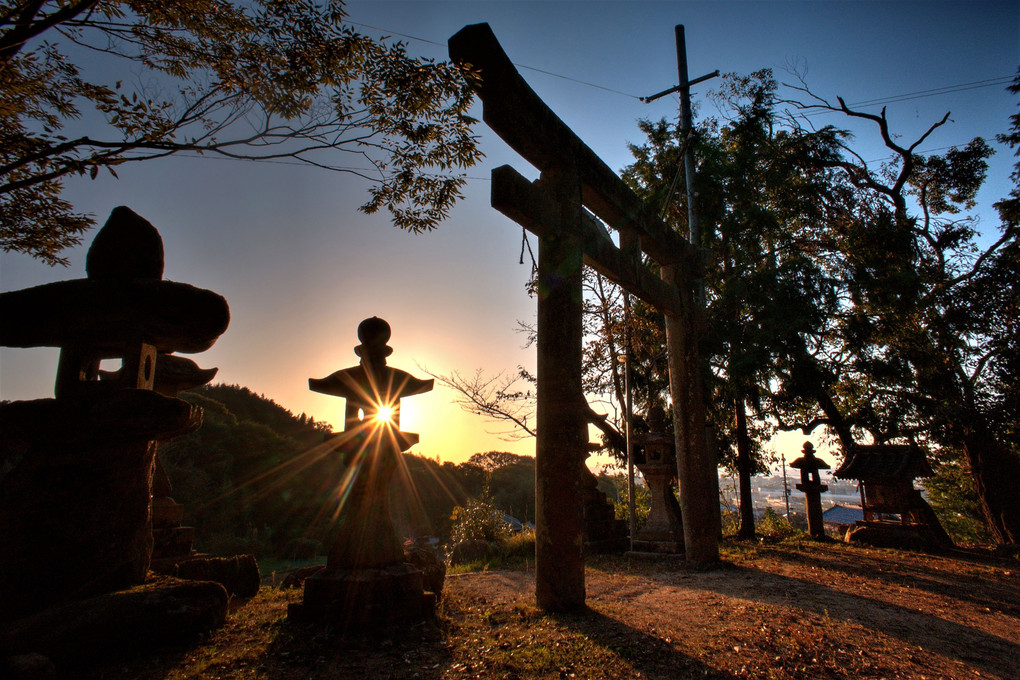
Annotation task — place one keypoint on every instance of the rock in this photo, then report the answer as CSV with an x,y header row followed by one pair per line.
x,y
296,578
433,571
238,574
470,550
162,612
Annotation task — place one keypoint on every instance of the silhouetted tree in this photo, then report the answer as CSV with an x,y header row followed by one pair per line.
x,y
761,186
928,331
254,80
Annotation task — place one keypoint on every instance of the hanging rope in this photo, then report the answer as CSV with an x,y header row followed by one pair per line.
x,y
526,244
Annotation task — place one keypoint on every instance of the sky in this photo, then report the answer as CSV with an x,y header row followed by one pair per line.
x,y
301,267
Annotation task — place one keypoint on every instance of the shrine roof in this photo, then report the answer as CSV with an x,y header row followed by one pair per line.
x,y
896,461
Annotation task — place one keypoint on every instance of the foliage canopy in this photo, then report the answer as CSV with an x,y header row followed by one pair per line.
x,y
90,85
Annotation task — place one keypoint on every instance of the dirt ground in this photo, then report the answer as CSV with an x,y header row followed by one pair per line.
x,y
795,610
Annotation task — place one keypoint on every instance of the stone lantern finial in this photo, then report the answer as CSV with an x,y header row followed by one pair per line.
x,y
374,333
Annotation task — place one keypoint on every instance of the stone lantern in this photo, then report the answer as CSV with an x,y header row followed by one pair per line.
x,y
811,485
366,579
663,530
76,503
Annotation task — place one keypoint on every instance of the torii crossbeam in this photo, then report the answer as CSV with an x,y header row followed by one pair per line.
x,y
575,187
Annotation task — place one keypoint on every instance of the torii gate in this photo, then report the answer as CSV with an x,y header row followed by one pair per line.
x,y
574,181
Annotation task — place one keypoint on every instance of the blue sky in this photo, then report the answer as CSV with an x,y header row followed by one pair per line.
x,y
301,267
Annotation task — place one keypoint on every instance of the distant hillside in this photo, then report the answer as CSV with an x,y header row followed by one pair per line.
x,y
255,478
246,405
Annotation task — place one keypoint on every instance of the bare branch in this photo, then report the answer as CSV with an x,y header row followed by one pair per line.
x,y
494,398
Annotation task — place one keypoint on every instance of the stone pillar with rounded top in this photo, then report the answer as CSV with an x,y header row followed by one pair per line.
x,y
811,485
366,580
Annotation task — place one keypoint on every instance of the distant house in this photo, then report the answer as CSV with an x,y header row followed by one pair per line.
x,y
516,524
839,518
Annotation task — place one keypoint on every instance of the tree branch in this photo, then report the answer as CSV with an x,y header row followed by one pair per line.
x,y
27,27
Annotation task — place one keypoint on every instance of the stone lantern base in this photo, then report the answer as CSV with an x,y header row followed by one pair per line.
x,y
370,597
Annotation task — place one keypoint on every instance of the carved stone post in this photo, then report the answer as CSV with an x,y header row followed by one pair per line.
x,y
811,485
562,428
367,580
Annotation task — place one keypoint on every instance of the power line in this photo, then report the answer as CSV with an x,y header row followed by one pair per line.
x,y
892,99
529,68
921,94
296,163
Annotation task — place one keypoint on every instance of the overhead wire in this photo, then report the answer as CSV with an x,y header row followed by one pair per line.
x,y
524,66
921,94
892,99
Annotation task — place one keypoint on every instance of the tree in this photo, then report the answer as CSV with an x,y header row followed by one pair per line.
x,y
499,398
494,460
759,183
254,80
510,398
928,331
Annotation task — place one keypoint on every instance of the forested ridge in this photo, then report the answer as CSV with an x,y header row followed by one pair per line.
x,y
257,478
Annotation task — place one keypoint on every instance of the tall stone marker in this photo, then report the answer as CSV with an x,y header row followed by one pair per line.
x,y
366,580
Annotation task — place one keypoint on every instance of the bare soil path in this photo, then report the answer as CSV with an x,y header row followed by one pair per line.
x,y
795,610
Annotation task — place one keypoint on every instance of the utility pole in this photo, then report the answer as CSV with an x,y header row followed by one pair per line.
x,y
697,472
686,127
628,413
786,490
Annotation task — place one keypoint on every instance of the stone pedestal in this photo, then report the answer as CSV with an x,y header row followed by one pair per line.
x,y
663,531
75,515
366,537
365,597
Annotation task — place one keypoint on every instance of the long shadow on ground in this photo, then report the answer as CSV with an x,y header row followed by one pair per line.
x,y
996,597
652,656
935,635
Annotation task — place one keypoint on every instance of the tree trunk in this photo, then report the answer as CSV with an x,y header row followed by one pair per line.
x,y
744,470
696,467
996,473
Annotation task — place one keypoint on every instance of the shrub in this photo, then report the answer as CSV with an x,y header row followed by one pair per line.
x,y
519,545
478,519
776,527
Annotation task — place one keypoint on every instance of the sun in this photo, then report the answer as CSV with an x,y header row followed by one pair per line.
x,y
385,414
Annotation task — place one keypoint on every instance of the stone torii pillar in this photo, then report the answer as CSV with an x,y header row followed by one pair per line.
x,y
560,417
576,184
